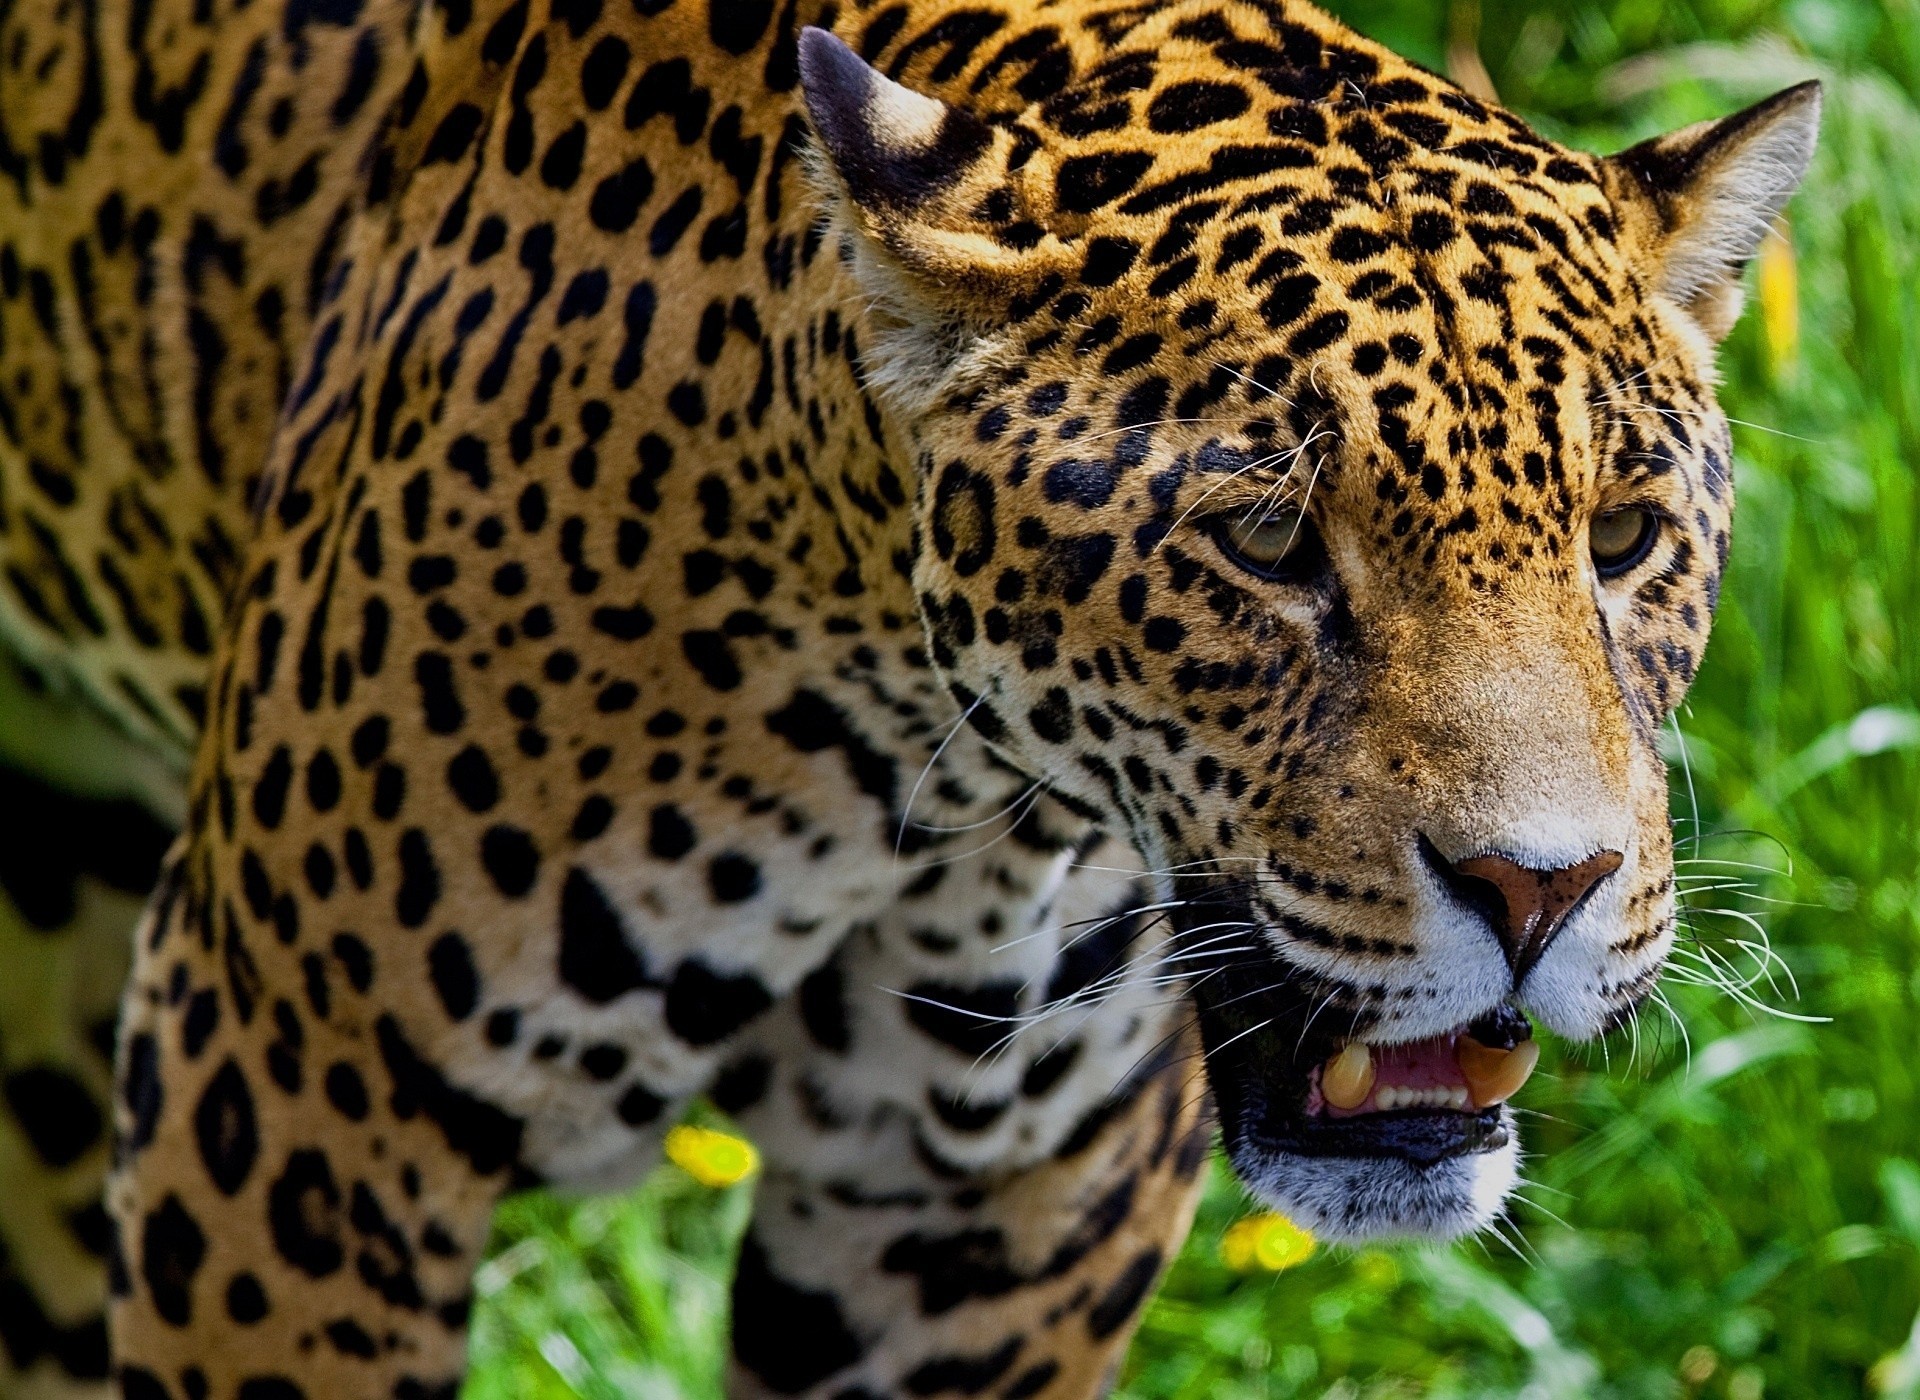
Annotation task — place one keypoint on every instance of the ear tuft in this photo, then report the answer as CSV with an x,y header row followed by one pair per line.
x,y
1712,190
893,148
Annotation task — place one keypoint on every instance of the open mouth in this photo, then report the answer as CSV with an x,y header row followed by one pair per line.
x,y
1423,1101
1351,1131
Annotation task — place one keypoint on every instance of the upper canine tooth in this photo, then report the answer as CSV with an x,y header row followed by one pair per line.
x,y
1495,1075
1347,1078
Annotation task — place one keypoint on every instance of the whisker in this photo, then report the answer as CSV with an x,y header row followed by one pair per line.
x,y
1243,1034
1096,925
1025,793
1156,423
1034,793
906,816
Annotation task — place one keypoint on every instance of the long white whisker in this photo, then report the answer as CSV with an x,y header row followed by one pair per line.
x,y
1034,793
907,815
1260,1026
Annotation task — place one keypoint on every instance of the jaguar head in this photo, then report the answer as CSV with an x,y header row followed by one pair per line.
x,y
1320,479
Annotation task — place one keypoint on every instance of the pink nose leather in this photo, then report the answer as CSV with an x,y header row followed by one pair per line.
x,y
1536,901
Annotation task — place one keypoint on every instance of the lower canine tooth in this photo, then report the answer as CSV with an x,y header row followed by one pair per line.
x,y
1347,1078
1495,1075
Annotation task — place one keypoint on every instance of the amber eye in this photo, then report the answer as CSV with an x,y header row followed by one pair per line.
x,y
1280,544
1622,538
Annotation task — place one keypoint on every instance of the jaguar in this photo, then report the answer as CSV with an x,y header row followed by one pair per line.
x,y
988,585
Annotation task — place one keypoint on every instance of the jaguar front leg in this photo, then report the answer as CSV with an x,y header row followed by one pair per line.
x,y
301,1196
984,1122
1026,1283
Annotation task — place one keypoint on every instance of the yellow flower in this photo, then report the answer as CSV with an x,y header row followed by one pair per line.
x,y
711,1158
1268,1241
1779,285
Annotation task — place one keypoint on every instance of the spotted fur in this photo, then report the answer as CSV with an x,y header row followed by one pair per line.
x,y
689,545
89,819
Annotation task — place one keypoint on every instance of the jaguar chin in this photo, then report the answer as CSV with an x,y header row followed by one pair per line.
x,y
1355,1135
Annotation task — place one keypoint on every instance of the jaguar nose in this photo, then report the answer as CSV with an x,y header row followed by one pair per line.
x,y
1523,904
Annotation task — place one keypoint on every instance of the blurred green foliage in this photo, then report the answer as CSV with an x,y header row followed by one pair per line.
x,y
1723,1202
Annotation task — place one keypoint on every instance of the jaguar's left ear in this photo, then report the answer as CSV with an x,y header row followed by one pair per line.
x,y
947,233
1698,201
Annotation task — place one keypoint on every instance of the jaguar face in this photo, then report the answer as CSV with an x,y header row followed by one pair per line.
x,y
1321,481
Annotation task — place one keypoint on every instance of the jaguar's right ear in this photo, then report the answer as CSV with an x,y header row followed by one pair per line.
x,y
1696,202
945,212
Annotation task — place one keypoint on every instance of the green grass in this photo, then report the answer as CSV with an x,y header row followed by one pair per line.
x,y
1732,1209
614,1298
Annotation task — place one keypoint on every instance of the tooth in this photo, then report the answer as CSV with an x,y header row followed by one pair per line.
x,y
1348,1077
1457,1099
1495,1075
1391,1098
